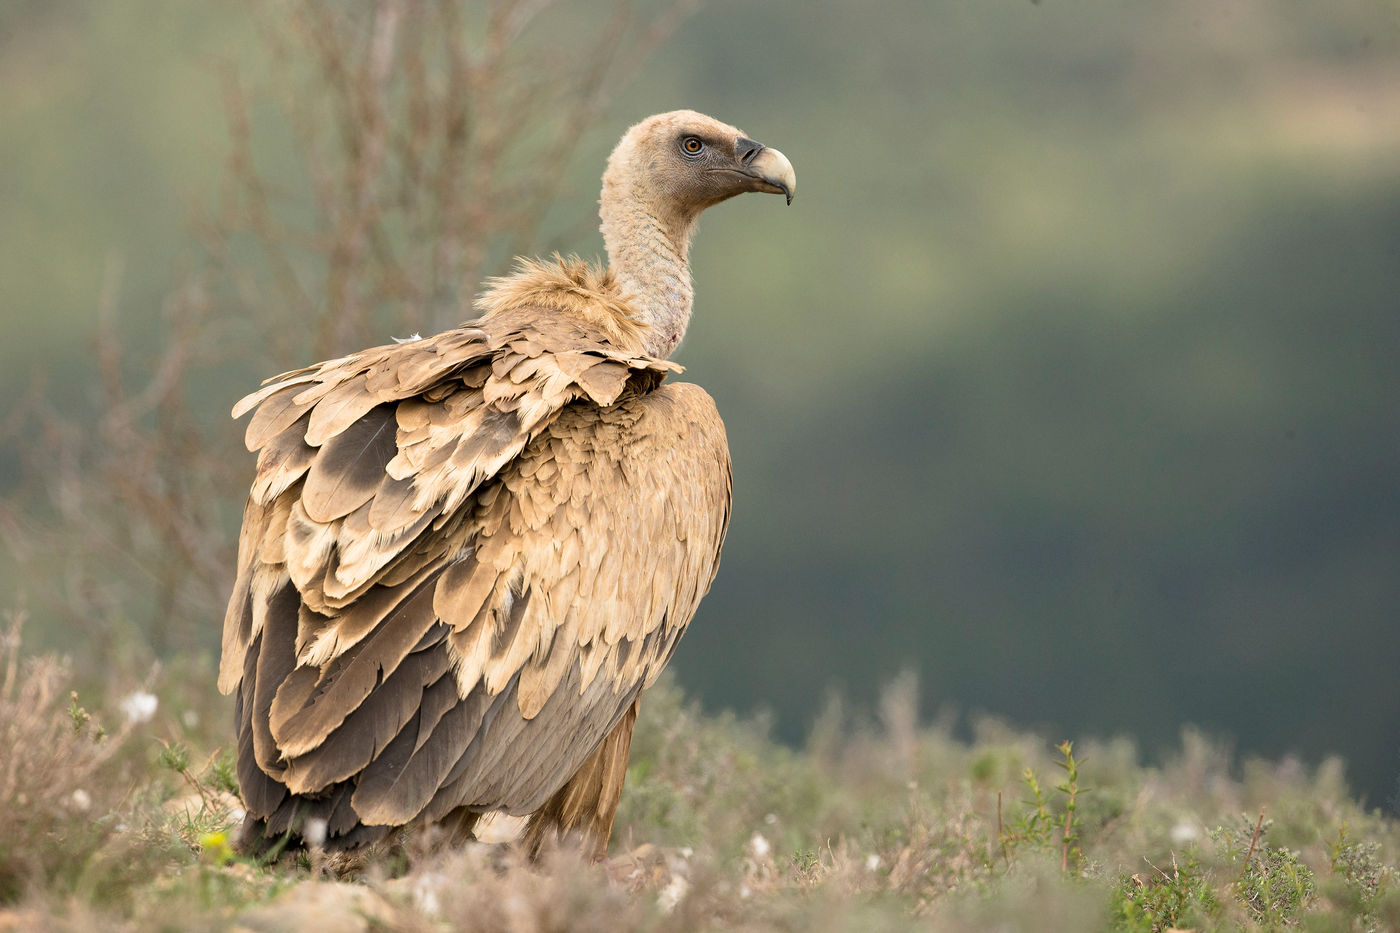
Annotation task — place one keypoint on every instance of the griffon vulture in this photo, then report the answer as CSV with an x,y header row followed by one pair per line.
x,y
465,556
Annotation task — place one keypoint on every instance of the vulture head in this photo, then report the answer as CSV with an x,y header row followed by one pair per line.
x,y
683,162
665,171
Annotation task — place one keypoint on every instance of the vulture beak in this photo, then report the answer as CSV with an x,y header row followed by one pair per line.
x,y
770,169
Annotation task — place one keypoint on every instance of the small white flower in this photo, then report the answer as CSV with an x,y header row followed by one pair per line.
x,y
80,799
872,862
139,706
1184,832
425,896
687,851
314,832
771,818
673,893
759,847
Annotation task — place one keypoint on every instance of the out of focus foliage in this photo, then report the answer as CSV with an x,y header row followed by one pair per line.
x,y
1069,379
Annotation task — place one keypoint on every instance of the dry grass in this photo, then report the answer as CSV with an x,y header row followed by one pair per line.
x,y
60,774
890,824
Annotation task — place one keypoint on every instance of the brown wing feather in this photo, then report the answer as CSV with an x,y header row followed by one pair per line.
x,y
352,676
369,728
349,467
521,755
454,486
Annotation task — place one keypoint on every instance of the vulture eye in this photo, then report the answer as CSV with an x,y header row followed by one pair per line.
x,y
692,145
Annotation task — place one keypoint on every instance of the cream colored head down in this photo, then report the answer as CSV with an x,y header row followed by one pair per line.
x,y
464,557
664,172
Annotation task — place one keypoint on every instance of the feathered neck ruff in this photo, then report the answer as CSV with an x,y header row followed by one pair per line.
x,y
570,288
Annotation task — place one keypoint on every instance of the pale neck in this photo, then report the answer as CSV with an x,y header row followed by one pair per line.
x,y
650,255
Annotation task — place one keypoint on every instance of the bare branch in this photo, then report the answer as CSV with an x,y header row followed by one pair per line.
x,y
382,161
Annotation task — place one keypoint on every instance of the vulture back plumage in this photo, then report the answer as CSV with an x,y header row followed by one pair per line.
x,y
464,557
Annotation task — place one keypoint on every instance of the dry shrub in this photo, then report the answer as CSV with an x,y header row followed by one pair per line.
x,y
122,512
57,787
384,158
431,140
480,889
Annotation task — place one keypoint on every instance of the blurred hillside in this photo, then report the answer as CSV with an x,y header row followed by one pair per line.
x,y
1069,380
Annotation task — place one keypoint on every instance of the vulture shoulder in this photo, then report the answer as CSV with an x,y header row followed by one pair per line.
x,y
462,559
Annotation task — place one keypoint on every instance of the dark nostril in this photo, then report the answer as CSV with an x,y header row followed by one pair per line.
x,y
745,150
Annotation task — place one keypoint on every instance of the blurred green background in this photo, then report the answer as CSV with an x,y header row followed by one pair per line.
x,y
1070,381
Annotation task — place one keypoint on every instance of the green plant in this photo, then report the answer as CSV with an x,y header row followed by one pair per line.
x,y
1036,826
1362,882
1032,825
1160,900
1069,844
1272,883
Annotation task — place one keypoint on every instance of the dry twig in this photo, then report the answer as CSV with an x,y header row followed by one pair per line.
x,y
428,138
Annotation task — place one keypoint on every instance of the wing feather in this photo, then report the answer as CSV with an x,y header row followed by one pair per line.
x,y
392,507
453,580
272,386
346,682
276,413
349,467
273,664
340,408
371,725
394,790
282,461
